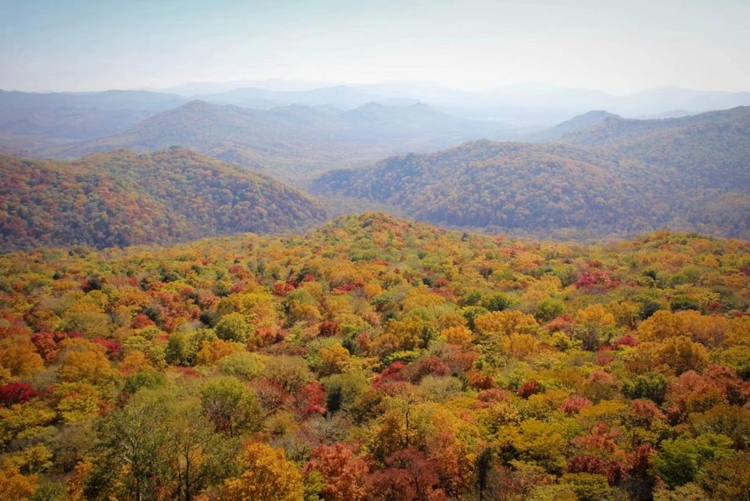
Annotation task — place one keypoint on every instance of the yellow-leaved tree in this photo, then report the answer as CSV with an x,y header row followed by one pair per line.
x,y
268,476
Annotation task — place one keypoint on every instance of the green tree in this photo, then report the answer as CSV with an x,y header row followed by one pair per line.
x,y
234,327
230,406
131,443
681,459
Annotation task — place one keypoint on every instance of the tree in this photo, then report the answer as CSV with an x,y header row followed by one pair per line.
x,y
343,473
505,323
291,373
496,301
198,456
16,393
681,459
411,333
234,327
408,476
131,441
549,309
727,478
230,406
15,486
650,385
20,357
333,359
77,401
540,443
588,486
179,350
89,365
594,326
682,355
158,446
266,476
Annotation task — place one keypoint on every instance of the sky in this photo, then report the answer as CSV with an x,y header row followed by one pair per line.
x,y
616,47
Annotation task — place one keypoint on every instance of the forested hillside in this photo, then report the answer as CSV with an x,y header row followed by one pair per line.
x,y
573,192
711,148
377,359
292,141
122,198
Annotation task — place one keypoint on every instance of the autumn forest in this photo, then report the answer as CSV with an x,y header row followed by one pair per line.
x,y
378,359
374,251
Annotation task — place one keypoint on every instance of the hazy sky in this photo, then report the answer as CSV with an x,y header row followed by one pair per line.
x,y
618,47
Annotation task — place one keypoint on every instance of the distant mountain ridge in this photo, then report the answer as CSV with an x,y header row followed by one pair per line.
x,y
77,115
528,96
12,151
293,140
88,115
122,198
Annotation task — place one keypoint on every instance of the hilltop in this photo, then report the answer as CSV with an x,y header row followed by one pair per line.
x,y
123,198
710,148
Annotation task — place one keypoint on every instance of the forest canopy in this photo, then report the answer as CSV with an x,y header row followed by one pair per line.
x,y
122,198
377,359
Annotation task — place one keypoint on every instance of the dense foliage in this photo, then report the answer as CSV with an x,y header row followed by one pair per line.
x,y
122,198
512,186
377,359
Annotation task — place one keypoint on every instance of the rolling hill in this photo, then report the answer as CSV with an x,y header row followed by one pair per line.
x,y
123,198
711,148
294,141
547,189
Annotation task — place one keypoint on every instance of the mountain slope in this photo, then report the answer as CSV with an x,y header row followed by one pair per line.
x,y
503,185
571,126
711,148
541,189
293,140
122,198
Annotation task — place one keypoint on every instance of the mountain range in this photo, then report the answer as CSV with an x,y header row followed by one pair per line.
x,y
596,174
87,115
78,115
291,142
529,98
